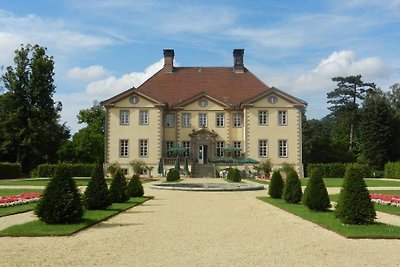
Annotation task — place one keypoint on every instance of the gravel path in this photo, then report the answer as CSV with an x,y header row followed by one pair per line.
x,y
200,229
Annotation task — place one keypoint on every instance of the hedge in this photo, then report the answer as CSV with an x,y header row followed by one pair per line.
x,y
77,170
10,170
392,170
336,170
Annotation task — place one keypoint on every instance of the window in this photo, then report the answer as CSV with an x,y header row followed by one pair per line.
x,y
220,146
220,122
186,144
186,120
283,149
143,117
124,171
169,120
203,102
143,148
124,117
262,148
202,120
282,117
238,145
168,145
237,120
123,148
263,117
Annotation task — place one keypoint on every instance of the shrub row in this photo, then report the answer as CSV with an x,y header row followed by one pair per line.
x,y
336,170
10,170
76,170
392,170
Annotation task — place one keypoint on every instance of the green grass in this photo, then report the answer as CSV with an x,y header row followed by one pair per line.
x,y
5,211
337,182
327,220
91,217
44,182
10,192
258,181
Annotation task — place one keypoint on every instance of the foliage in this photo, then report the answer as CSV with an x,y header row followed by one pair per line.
x,y
30,131
138,166
292,189
60,203
112,168
234,175
135,187
354,205
276,185
97,196
328,169
119,188
173,175
77,170
392,170
10,170
264,167
316,195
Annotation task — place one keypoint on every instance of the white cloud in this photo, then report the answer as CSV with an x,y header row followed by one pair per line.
x,y
87,74
113,85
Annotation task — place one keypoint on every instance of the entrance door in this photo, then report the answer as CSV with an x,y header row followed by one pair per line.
x,y
202,154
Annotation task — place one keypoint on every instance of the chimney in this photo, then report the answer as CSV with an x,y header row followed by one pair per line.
x,y
169,60
238,66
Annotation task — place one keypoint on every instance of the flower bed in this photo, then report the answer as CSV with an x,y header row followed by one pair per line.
x,y
19,199
391,200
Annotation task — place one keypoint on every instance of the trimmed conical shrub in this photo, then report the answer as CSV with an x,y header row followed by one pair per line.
x,y
292,189
234,175
354,205
60,203
135,187
315,195
97,196
173,175
276,185
119,188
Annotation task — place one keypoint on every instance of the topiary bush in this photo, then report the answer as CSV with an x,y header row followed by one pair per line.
x,y
119,188
234,175
276,184
60,203
292,189
315,195
135,187
10,170
97,196
354,205
173,175
392,170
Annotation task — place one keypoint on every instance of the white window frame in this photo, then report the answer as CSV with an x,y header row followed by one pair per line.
x,y
123,148
237,144
203,121
237,119
168,145
124,117
143,148
186,120
283,148
170,120
186,144
263,117
143,117
263,148
282,117
220,146
220,120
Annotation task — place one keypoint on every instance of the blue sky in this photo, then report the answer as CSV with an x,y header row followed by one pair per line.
x,y
104,47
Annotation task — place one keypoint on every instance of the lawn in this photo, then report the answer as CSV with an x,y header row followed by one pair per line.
x,y
337,182
4,211
327,220
91,217
10,192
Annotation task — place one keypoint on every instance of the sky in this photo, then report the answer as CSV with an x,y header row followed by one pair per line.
x,y
104,47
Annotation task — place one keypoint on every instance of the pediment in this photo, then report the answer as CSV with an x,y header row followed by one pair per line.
x,y
203,134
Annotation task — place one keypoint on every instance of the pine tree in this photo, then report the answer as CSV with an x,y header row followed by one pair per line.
x,y
60,203
292,189
276,185
119,188
135,187
354,205
315,195
97,196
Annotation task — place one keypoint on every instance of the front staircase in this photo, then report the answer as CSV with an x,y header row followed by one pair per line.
x,y
203,170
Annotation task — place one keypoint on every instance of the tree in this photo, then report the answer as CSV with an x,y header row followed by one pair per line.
x,y
354,205
119,188
292,189
135,187
97,196
30,127
60,203
376,130
345,100
276,185
315,195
